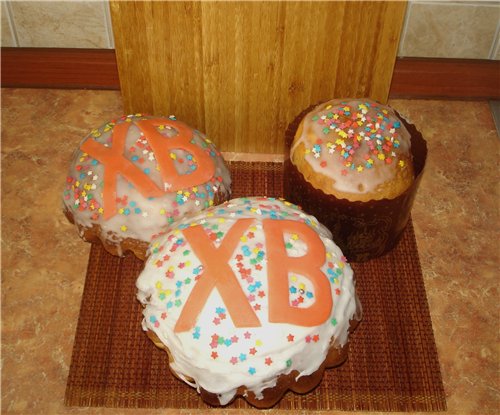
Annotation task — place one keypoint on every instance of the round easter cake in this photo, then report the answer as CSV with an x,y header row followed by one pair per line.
x,y
249,299
135,175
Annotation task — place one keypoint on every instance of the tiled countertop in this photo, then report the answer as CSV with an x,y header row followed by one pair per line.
x,y
456,219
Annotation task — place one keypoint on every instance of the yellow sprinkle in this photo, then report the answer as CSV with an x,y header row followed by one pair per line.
x,y
328,255
162,211
381,156
294,236
123,228
293,278
158,284
171,268
258,342
252,228
328,107
243,238
359,168
173,156
221,220
302,286
100,210
343,134
401,163
168,292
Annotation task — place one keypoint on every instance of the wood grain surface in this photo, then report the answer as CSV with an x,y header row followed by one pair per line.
x,y
240,71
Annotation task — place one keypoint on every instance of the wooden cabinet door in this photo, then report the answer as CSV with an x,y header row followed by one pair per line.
x,y
241,71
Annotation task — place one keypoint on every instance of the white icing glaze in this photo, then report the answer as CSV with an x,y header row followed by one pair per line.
x,y
356,143
218,356
139,217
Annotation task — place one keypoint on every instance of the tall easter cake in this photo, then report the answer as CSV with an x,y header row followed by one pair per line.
x,y
355,164
250,298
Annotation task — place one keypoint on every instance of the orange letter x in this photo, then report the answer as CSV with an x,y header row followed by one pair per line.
x,y
217,274
114,162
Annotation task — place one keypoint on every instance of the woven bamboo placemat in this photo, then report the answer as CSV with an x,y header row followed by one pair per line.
x,y
392,366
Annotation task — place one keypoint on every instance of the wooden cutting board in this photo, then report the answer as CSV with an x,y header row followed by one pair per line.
x,y
241,71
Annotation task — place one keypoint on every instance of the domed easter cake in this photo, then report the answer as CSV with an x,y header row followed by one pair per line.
x,y
135,175
250,298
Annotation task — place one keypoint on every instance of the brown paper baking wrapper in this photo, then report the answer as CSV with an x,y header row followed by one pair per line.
x,y
363,230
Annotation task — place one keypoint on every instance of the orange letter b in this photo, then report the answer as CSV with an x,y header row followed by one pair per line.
x,y
280,265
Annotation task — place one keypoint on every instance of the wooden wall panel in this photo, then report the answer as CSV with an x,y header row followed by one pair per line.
x,y
240,71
